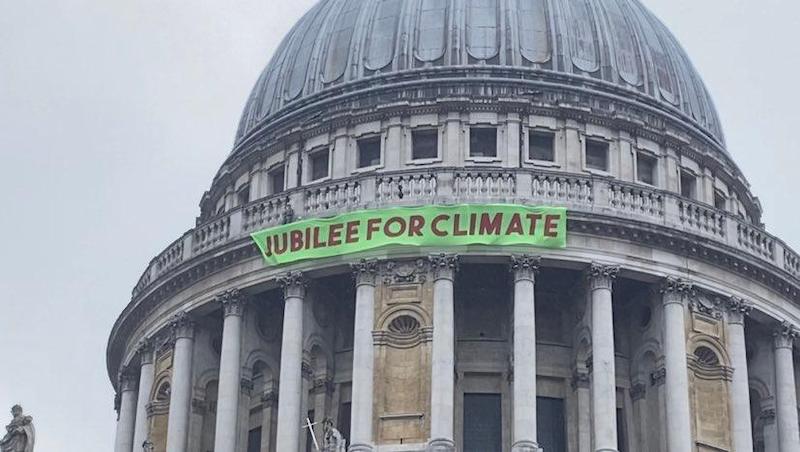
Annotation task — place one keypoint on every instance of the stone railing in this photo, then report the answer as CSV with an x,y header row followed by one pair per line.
x,y
580,193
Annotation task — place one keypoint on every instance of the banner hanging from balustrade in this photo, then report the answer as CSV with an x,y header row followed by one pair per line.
x,y
428,226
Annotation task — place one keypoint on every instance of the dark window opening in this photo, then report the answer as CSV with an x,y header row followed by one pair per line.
x,y
483,142
369,152
597,155
646,168
319,164
622,432
688,185
550,424
425,144
483,423
541,146
277,180
243,195
254,440
720,200
344,420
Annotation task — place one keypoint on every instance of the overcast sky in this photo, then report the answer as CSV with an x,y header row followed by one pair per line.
x,y
115,115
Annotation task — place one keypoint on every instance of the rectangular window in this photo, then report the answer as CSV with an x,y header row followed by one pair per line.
x,y
277,180
254,440
720,200
597,155
243,195
550,424
688,185
483,142
424,144
541,146
483,423
369,152
646,168
319,162
344,420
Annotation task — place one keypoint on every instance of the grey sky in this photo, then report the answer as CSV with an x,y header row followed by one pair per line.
x,y
114,117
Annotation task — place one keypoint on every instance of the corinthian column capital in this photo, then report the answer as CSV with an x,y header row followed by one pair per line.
x,y
444,266
525,267
601,276
737,309
294,284
365,272
233,302
182,326
145,349
785,335
675,290
127,379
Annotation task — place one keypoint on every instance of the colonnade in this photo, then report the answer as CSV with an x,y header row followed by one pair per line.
x,y
675,293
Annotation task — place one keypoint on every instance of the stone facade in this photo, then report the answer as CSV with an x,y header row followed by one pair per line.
x,y
667,323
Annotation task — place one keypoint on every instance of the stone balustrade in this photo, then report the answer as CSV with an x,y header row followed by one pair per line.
x,y
586,194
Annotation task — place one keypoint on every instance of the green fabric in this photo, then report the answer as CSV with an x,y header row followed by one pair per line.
x,y
429,226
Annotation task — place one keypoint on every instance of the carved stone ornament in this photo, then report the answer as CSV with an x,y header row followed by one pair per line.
x,y
145,349
269,398
20,435
127,379
675,290
785,335
365,272
294,284
322,385
233,302
737,309
638,391
405,272
443,266
767,415
601,276
525,267
246,386
581,379
658,377
182,326
709,309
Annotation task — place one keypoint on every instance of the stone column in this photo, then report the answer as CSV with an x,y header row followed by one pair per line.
x,y
361,438
147,376
737,310
268,400
524,438
678,423
230,371
581,384
181,388
444,268
291,379
785,390
604,385
127,412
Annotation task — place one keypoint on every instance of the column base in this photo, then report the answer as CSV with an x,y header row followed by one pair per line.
x,y
525,446
361,447
441,445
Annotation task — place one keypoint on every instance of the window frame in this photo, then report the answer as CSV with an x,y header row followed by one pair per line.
x,y
439,144
532,131
364,138
585,155
310,165
281,167
653,170
483,158
686,173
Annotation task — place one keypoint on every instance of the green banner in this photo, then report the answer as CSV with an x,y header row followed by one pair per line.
x,y
431,226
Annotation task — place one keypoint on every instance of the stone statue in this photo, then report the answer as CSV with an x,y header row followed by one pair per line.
x,y
334,441
20,435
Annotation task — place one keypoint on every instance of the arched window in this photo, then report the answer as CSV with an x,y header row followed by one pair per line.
x,y
706,357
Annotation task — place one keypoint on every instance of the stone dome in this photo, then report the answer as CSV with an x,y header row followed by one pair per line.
x,y
614,47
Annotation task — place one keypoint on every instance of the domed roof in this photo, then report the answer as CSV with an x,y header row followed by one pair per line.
x,y
617,45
